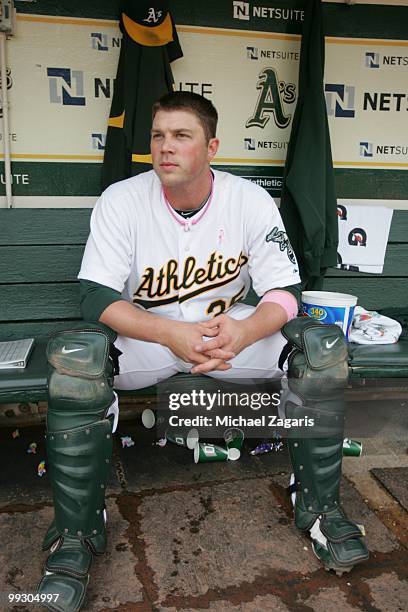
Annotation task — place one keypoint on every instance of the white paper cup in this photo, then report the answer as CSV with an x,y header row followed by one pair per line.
x,y
330,307
148,418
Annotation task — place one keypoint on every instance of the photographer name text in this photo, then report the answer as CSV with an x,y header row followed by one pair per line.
x,y
270,420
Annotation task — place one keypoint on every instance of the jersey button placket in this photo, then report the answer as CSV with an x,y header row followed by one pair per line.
x,y
184,249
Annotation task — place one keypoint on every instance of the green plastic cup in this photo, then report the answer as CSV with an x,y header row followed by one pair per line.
x,y
188,438
205,452
352,448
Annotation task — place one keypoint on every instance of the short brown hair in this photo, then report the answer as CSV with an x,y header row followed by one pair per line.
x,y
201,107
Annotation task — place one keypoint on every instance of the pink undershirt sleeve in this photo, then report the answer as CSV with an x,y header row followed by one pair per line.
x,y
284,299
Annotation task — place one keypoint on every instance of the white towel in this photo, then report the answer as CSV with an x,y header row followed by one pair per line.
x,y
369,327
363,236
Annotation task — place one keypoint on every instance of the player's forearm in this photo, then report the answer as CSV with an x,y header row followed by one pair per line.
x,y
127,320
267,319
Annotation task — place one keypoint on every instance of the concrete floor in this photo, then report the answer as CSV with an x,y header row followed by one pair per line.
x,y
213,536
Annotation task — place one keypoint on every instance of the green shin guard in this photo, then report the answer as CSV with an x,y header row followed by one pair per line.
x,y
79,451
317,376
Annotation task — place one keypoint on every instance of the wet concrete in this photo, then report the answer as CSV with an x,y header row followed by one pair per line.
x,y
212,536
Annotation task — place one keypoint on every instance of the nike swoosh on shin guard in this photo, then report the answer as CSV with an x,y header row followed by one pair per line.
x,y
66,351
329,345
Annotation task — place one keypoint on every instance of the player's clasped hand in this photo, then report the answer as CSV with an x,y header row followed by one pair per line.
x,y
183,339
229,337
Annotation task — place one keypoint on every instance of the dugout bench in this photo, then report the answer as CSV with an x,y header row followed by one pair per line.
x,y
40,255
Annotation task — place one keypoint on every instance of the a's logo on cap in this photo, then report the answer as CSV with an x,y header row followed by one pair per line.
x,y
153,16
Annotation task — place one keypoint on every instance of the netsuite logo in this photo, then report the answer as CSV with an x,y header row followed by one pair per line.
x,y
366,149
252,53
372,60
376,60
340,100
250,144
99,41
241,10
102,42
98,141
66,86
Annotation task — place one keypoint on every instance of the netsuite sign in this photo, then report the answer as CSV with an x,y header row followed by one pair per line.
x,y
251,144
379,60
255,53
67,87
341,100
103,42
369,149
244,12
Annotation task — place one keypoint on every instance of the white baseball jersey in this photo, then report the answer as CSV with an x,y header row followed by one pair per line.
x,y
187,269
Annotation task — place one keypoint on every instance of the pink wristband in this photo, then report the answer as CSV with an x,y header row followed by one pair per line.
x,y
284,299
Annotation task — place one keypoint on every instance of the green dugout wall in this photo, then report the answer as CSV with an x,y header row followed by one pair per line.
x,y
244,56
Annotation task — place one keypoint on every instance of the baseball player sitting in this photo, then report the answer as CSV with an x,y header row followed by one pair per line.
x,y
170,255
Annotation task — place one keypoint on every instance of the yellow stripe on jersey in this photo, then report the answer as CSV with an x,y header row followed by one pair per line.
x,y
141,159
117,121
